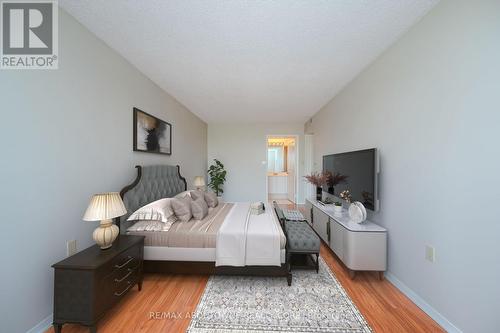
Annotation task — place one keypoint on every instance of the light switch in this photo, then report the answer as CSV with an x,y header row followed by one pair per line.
x,y
71,247
430,253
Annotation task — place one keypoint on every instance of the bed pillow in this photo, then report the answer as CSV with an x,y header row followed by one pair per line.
x,y
148,226
183,194
159,210
196,194
199,208
211,199
182,208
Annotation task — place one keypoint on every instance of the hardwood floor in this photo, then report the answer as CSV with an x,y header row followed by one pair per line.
x,y
167,302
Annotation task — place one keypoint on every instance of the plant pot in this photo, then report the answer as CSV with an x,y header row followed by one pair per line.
x,y
337,209
319,193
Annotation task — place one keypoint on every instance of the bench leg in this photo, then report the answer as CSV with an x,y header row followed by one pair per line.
x,y
289,279
317,262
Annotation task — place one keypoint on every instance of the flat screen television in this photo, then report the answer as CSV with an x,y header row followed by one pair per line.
x,y
360,167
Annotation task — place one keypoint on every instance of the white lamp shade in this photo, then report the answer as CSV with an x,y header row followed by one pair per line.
x,y
199,181
105,206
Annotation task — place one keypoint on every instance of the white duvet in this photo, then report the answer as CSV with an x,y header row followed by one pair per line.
x,y
245,239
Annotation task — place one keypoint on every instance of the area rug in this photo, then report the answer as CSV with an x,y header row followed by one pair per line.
x,y
314,303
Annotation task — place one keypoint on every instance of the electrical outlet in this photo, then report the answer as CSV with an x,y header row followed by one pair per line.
x,y
430,253
71,247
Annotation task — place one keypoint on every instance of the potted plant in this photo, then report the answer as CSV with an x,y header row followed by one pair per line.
x,y
337,207
318,179
217,177
333,179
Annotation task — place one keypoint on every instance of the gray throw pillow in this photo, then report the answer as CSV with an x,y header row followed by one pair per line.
x,y
182,208
211,199
199,208
196,194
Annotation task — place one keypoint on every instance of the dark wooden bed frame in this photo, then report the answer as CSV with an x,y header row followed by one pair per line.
x,y
202,267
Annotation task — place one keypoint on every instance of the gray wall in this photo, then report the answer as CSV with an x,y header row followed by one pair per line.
x,y
431,104
242,148
67,134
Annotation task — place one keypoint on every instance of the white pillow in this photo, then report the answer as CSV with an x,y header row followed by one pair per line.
x,y
150,226
159,210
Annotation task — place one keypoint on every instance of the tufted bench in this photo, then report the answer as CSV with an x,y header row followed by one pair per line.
x,y
301,242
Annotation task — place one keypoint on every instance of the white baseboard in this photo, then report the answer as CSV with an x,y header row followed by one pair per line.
x,y
433,313
42,326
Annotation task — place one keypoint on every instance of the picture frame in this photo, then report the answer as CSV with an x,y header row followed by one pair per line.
x,y
151,134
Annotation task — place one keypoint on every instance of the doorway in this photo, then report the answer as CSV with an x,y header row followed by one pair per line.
x,y
282,168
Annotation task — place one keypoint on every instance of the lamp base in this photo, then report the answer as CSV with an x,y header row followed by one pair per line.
x,y
106,234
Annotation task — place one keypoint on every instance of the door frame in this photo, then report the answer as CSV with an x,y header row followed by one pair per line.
x,y
297,164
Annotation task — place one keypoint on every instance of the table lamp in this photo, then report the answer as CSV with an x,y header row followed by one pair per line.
x,y
104,207
199,182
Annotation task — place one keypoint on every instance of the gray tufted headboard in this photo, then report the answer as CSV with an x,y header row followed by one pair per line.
x,y
152,183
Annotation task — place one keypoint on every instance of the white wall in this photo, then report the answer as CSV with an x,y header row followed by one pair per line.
x,y
431,104
242,148
67,134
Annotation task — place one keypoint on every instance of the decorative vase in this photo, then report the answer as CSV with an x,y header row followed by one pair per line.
x,y
345,204
319,193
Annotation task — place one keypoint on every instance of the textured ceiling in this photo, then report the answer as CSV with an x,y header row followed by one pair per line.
x,y
249,61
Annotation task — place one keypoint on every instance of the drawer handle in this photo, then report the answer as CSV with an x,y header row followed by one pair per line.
x,y
125,263
125,290
126,276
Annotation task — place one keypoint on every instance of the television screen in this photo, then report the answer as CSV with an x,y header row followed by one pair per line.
x,y
359,169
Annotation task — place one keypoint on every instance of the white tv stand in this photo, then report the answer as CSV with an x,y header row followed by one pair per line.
x,y
361,247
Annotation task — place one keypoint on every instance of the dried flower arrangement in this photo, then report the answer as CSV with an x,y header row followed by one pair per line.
x,y
317,178
335,178
346,195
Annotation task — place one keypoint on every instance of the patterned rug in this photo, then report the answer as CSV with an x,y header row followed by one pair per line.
x,y
314,303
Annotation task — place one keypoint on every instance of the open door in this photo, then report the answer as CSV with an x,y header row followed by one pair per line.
x,y
282,159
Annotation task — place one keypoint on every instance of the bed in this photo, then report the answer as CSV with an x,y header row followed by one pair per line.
x,y
191,247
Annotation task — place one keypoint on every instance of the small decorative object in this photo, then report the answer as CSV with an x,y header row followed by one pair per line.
x,y
257,208
104,207
318,179
333,179
337,207
346,195
199,183
357,212
151,135
217,177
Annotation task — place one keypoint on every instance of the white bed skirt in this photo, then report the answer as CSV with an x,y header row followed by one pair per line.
x,y
163,253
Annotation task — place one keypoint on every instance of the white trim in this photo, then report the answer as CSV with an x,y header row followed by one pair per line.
x,y
426,307
42,326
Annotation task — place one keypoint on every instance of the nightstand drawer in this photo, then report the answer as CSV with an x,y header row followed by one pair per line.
x,y
130,258
116,285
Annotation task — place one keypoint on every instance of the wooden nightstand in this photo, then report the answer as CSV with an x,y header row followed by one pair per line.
x,y
90,282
